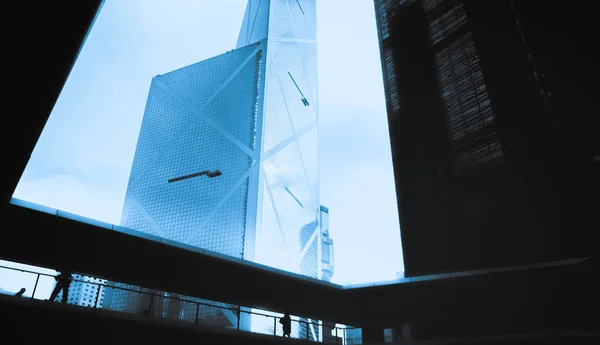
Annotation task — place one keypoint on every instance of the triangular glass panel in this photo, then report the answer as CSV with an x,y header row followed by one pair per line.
x,y
235,107
133,218
301,107
224,231
199,82
291,194
277,125
293,19
163,119
178,190
271,245
256,22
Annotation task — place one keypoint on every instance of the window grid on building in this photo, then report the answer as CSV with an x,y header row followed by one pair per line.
x,y
470,118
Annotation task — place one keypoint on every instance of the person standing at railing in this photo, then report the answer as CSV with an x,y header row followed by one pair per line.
x,y
63,280
20,293
286,323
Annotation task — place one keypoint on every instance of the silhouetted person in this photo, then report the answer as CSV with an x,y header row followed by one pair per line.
x,y
63,280
20,293
286,323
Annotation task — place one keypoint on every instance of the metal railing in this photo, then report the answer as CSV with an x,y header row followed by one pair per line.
x,y
155,304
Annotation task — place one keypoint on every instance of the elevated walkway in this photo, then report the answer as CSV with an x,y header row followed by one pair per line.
x,y
28,321
555,295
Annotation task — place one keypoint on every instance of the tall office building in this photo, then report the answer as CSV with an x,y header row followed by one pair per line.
x,y
226,158
473,135
327,256
327,268
86,292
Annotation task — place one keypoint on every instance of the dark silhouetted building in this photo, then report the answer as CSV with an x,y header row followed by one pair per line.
x,y
475,141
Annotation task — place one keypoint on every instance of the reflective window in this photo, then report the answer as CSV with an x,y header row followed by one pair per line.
x,y
293,19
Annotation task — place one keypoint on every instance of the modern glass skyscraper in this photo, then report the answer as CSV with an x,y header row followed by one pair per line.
x,y
287,183
196,154
227,157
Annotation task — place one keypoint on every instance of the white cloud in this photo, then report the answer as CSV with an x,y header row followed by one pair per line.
x,y
66,193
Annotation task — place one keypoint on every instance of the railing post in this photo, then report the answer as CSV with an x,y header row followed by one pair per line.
x,y
275,326
336,335
197,311
306,330
97,296
151,305
35,286
239,310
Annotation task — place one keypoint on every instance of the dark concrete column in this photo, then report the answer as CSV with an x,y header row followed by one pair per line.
x,y
372,335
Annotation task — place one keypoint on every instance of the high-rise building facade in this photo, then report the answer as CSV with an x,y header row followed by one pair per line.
x,y
327,255
327,270
85,291
227,155
287,221
191,175
473,136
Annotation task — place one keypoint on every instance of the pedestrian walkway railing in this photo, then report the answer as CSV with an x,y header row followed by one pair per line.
x,y
92,292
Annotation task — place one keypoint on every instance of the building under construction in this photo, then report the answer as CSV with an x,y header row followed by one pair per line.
x,y
474,139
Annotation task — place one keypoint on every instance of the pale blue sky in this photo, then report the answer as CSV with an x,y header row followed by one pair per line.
x,y
82,160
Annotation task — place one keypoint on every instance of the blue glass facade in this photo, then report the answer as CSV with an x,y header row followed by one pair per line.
x,y
194,160
288,235
227,155
198,119
288,228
